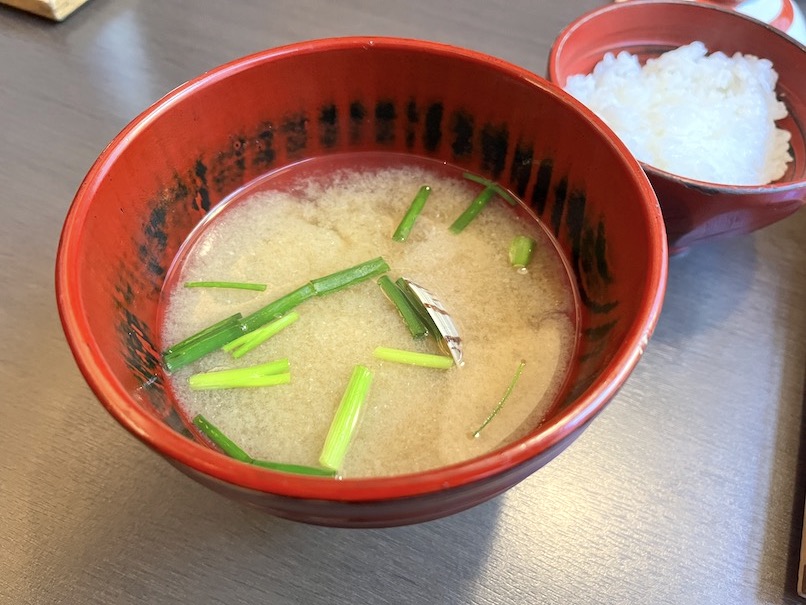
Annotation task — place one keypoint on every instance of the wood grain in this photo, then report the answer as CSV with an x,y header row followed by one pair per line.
x,y
688,489
57,10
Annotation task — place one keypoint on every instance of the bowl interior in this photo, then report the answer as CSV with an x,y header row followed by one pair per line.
x,y
181,157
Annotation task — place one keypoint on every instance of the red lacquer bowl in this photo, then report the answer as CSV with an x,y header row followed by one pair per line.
x,y
696,211
168,168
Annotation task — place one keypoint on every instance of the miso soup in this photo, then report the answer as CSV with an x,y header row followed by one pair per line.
x,y
322,216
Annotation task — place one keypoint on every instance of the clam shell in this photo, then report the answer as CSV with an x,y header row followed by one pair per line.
x,y
443,321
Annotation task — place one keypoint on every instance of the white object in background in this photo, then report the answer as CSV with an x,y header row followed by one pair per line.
x,y
783,14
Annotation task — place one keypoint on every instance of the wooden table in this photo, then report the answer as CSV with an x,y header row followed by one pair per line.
x,y
688,489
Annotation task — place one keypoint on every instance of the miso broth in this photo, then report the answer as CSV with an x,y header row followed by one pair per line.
x,y
323,216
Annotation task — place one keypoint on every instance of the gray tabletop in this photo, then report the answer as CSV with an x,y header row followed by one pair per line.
x,y
689,488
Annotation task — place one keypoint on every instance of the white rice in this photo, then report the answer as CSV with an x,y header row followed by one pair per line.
x,y
705,117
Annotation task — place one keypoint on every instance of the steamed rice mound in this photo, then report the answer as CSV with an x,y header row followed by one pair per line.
x,y
705,117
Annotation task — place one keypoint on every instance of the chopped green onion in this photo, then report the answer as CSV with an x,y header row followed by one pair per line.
x,y
490,188
278,308
503,400
231,449
417,204
417,305
208,340
425,360
204,382
179,357
226,284
348,277
233,320
241,340
295,468
241,346
263,375
410,316
520,251
220,439
503,193
346,419
472,210
316,287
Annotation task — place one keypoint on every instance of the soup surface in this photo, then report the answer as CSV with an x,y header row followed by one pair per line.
x,y
323,216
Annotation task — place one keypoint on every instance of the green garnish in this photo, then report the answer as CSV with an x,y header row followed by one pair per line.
x,y
220,439
345,421
410,316
520,251
278,308
473,209
226,284
298,469
263,375
243,344
229,322
348,277
425,360
231,449
201,344
503,400
316,287
417,305
208,340
503,193
207,382
417,204
490,189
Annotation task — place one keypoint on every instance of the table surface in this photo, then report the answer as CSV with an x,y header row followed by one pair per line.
x,y
688,488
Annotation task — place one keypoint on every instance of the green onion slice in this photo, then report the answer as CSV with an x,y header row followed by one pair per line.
x,y
209,339
348,277
180,356
231,449
229,322
242,345
345,422
266,374
234,285
521,250
297,469
475,207
417,205
410,316
425,360
417,305
205,382
503,193
503,399
220,439
278,308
